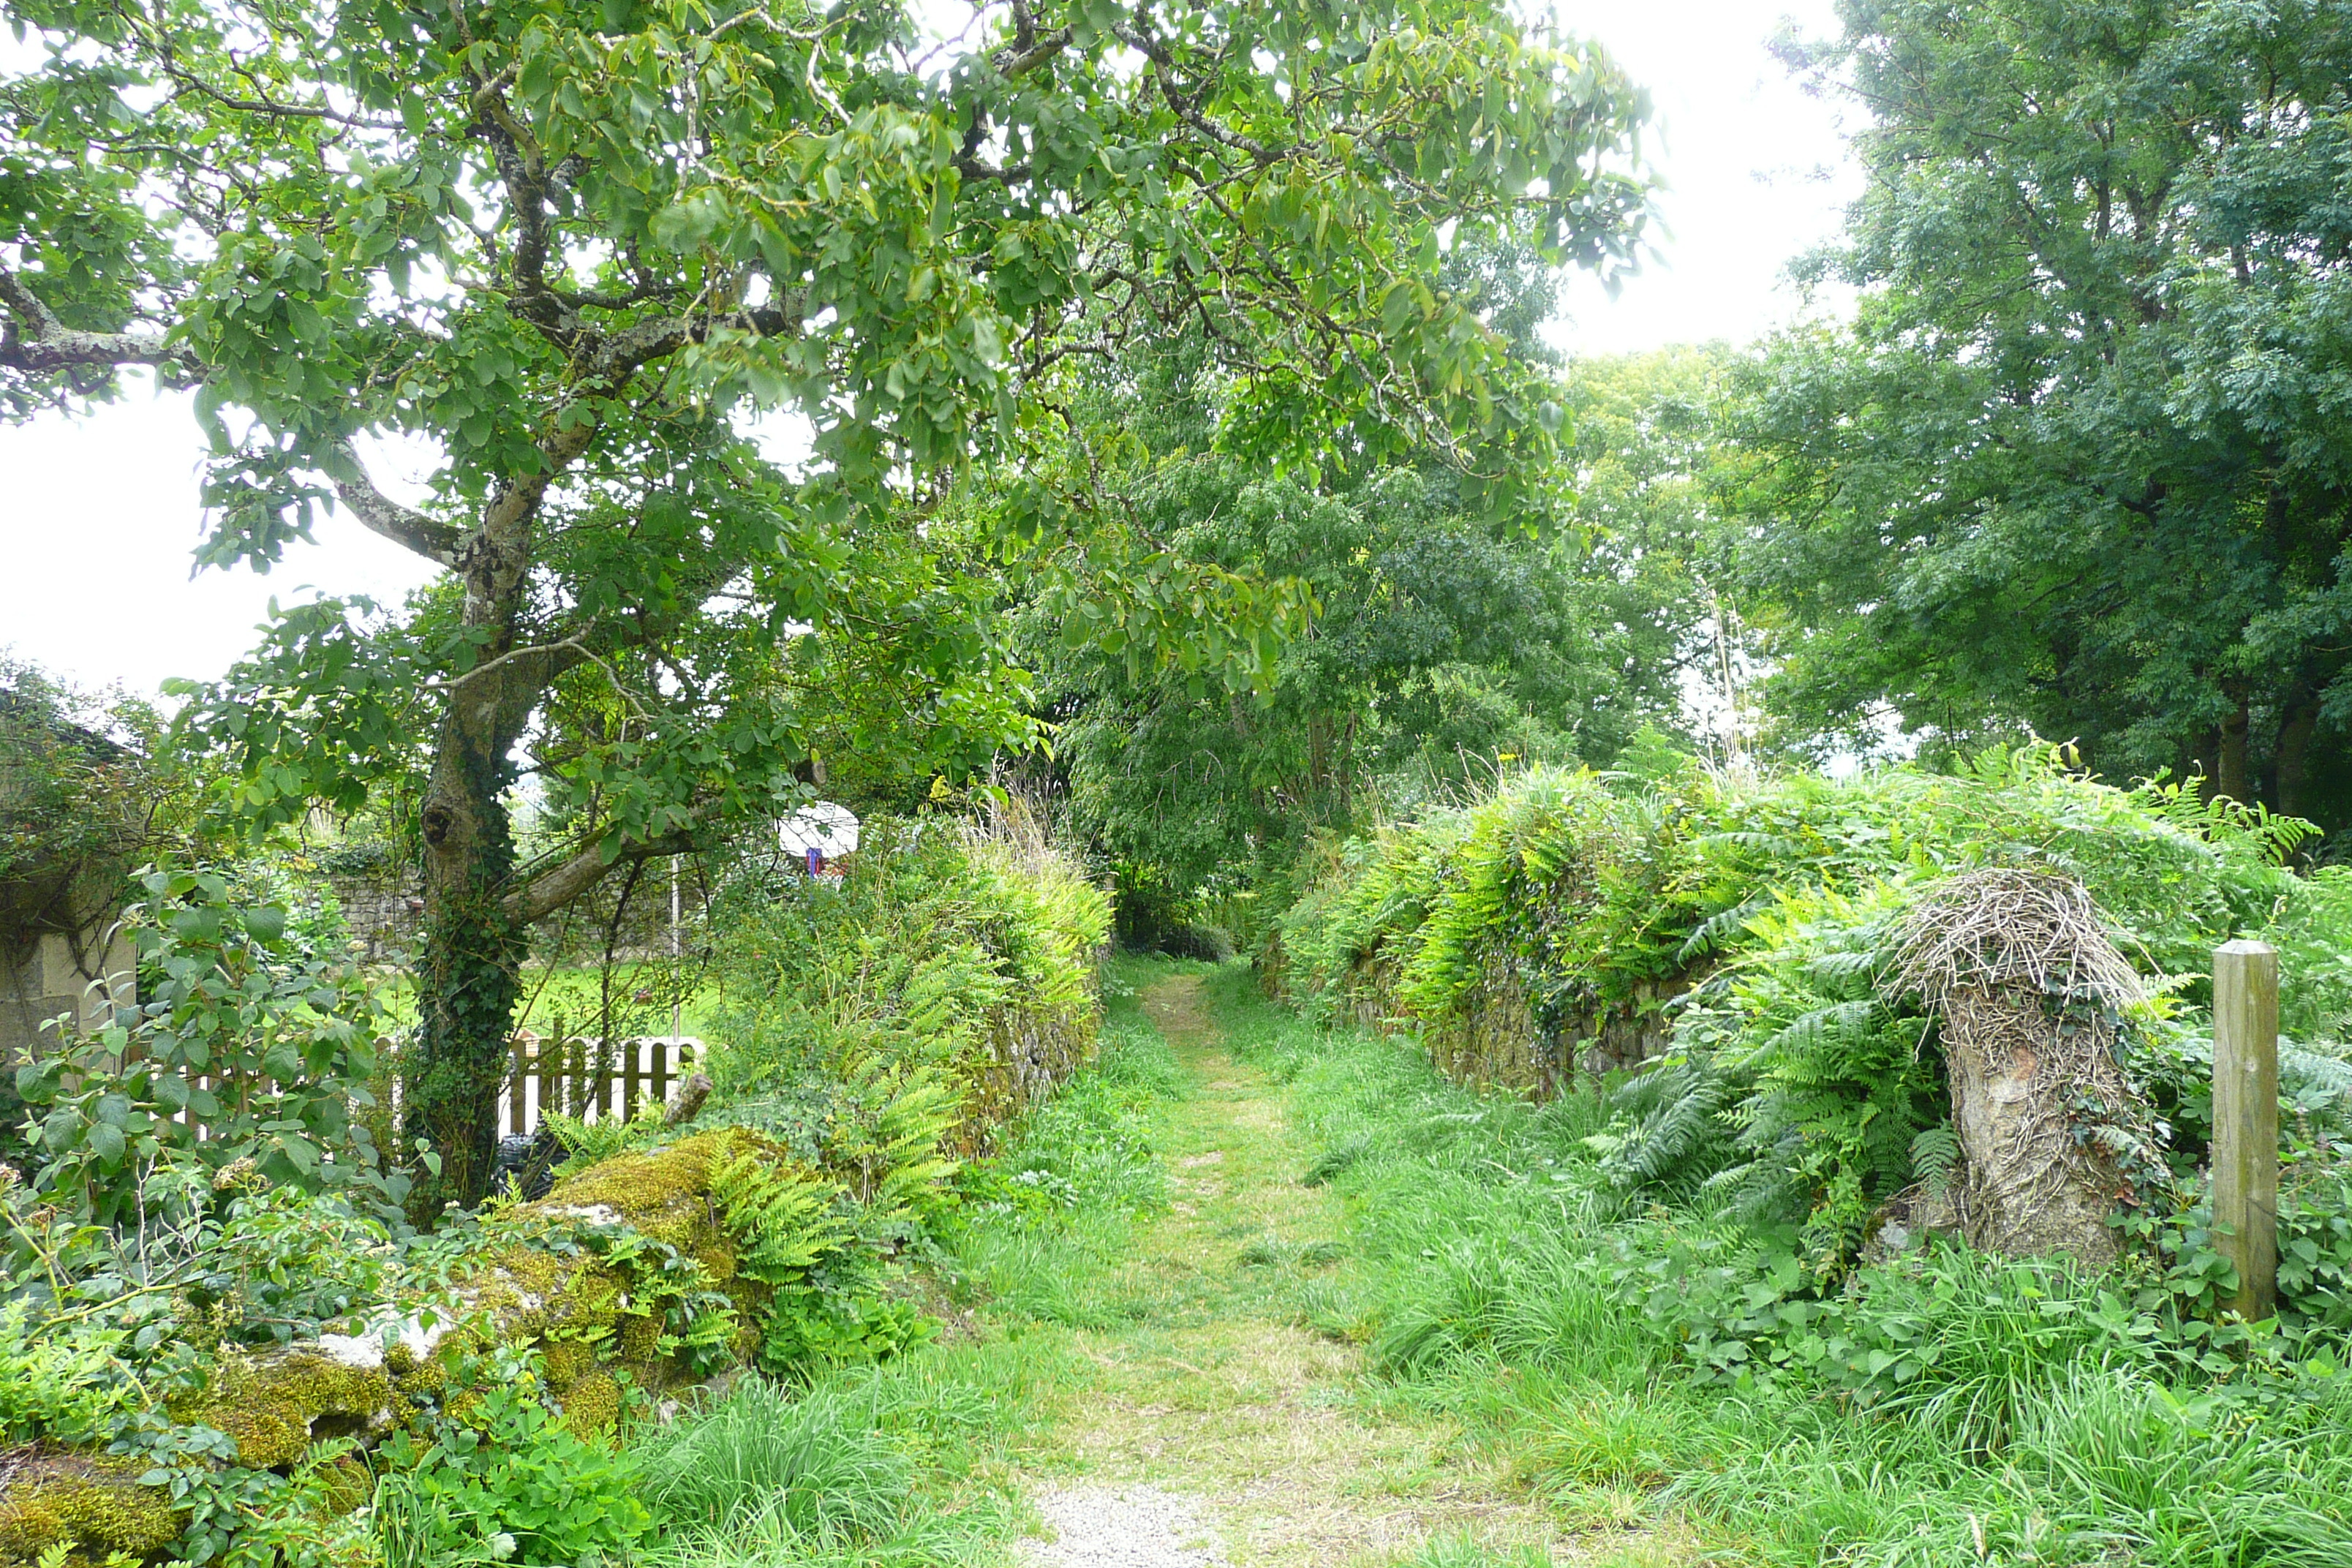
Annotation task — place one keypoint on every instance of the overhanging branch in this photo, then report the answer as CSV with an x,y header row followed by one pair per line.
x,y
33,339
564,884
411,530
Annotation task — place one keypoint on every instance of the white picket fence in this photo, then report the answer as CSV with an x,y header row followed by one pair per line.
x,y
577,1075
592,1079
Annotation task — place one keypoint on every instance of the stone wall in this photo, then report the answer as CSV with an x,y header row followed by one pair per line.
x,y
1492,1041
383,911
52,974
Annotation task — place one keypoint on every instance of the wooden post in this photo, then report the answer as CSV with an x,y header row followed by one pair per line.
x,y
2245,1120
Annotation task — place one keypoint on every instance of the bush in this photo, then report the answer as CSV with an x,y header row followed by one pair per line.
x,y
1738,932
499,1477
246,1047
68,1389
972,962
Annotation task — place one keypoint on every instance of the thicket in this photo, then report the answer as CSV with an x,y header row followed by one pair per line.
x,y
953,951
1736,937
235,1348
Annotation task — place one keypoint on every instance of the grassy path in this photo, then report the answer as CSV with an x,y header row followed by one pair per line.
x,y
1204,1382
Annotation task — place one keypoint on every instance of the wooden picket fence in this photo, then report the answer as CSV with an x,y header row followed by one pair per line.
x,y
590,1079
577,1075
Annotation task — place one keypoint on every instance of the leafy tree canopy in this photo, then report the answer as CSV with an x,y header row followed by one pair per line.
x,y
1442,637
567,243
2081,463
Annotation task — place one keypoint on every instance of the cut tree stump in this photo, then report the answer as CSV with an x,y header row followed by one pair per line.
x,y
2015,965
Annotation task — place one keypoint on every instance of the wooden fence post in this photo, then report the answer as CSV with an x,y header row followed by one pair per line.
x,y
2245,1120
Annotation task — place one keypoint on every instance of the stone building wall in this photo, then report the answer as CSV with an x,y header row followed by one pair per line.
x,y
52,974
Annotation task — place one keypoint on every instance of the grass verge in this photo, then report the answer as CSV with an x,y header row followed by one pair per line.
x,y
910,1462
1496,1279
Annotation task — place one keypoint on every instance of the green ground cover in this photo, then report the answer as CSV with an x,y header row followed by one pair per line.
x,y
1959,1408
1367,1316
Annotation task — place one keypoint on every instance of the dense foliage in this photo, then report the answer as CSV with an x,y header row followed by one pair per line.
x,y
246,1042
1441,635
2079,464
211,1239
1744,930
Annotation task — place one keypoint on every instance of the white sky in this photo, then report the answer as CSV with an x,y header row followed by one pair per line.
x,y
98,517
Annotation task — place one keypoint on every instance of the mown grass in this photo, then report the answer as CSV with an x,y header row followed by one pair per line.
x,y
910,1462
1495,1278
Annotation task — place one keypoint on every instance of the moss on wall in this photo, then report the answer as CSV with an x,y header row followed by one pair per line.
x,y
92,1506
275,1406
594,1325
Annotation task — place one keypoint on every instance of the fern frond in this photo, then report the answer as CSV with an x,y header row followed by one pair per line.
x,y
1717,928
781,1215
1683,1132
1934,1155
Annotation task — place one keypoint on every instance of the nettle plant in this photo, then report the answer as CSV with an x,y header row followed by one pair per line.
x,y
564,245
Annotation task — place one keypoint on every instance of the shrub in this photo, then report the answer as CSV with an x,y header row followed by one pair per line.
x,y
69,1388
500,1477
929,957
267,1047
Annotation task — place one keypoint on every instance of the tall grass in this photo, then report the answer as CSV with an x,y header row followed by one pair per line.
x,y
818,1462
2021,1413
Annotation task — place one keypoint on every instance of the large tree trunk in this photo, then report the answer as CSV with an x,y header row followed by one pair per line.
x,y
2235,777
2294,757
469,971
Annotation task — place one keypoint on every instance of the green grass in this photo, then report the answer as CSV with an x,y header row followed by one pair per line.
x,y
909,1462
878,1465
1127,1268
1049,1222
1496,1279
569,999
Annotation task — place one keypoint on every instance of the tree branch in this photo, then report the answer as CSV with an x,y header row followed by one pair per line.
x,y
34,341
561,885
379,514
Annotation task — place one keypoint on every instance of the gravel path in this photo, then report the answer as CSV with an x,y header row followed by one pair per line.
x,y
1123,1527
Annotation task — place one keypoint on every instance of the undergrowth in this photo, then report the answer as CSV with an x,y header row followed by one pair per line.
x,y
1638,1362
1742,934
